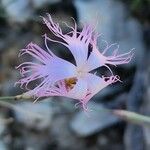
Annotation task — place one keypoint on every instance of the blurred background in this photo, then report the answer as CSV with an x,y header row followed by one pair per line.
x,y
54,123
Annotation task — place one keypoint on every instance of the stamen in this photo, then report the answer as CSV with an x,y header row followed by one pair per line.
x,y
70,83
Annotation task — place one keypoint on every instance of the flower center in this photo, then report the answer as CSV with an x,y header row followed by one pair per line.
x,y
70,82
81,73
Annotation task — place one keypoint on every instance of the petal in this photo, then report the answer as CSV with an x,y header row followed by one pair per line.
x,y
95,60
79,51
50,70
77,42
58,69
79,91
37,52
96,84
79,45
98,59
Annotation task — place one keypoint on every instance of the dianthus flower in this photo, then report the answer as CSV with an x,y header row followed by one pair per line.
x,y
59,77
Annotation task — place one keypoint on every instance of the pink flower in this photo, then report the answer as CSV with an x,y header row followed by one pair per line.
x,y
59,77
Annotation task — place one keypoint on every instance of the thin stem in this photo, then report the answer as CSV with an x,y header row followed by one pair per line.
x,y
132,117
17,97
128,116
7,98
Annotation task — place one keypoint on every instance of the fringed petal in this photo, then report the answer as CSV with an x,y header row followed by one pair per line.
x,y
98,59
37,52
50,69
76,42
119,59
95,60
96,84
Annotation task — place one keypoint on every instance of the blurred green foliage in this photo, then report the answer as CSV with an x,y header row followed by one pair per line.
x,y
138,4
139,8
2,15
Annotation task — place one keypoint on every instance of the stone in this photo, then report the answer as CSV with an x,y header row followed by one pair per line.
x,y
37,115
63,136
3,123
98,119
14,9
2,146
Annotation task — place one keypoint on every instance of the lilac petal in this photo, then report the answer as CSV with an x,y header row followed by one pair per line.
x,y
50,70
96,84
95,60
79,91
79,45
98,59
79,51
77,42
119,59
58,69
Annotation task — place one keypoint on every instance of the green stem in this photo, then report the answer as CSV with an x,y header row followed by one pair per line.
x,y
17,97
7,98
132,117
